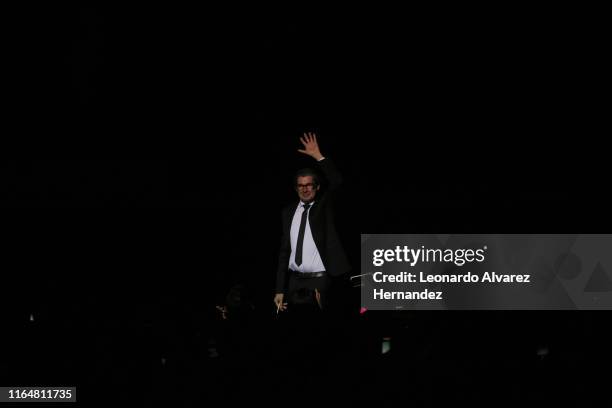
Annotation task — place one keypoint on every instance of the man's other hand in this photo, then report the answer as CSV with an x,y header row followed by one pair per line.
x,y
278,301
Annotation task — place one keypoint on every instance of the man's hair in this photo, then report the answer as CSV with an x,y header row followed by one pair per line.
x,y
305,173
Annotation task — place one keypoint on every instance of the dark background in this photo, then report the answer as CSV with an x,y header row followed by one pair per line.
x,y
161,142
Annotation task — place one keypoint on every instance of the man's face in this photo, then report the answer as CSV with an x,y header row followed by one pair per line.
x,y
306,188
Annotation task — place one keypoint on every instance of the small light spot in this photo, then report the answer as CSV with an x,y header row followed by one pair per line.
x,y
542,352
386,345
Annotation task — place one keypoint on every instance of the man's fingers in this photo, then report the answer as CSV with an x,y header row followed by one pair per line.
x,y
308,138
311,138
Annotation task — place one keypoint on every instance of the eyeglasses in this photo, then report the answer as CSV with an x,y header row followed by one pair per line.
x,y
308,186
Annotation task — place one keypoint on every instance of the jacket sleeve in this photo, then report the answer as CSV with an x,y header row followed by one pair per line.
x,y
283,257
332,175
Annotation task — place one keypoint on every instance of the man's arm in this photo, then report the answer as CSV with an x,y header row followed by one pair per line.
x,y
283,257
281,274
311,148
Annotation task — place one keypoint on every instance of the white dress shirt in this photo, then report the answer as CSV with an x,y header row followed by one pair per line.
x,y
311,259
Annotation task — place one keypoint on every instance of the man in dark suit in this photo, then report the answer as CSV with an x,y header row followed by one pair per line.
x,y
310,251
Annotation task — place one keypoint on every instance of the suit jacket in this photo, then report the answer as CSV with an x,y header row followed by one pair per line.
x,y
322,226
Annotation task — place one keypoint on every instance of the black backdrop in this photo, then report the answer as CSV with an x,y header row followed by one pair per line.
x,y
441,120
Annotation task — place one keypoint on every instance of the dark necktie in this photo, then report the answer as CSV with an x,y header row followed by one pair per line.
x,y
300,240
